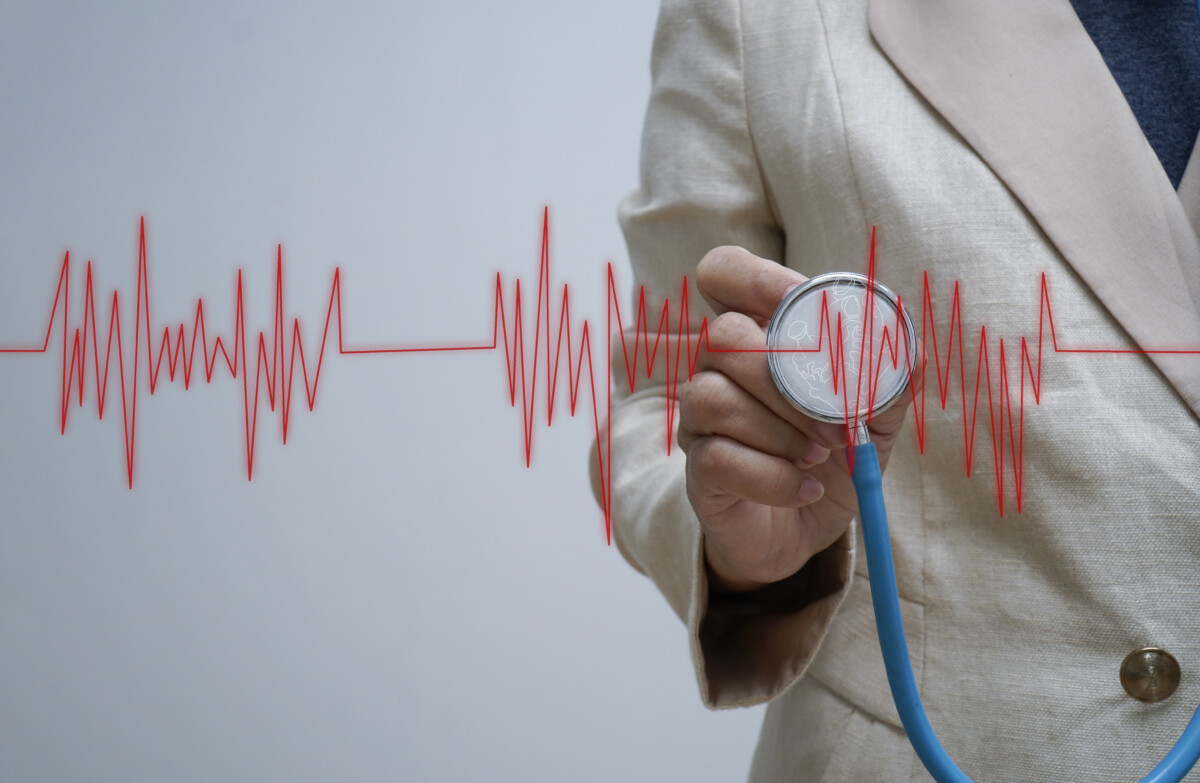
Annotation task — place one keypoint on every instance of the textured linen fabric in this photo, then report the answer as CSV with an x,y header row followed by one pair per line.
x,y
990,146
1152,48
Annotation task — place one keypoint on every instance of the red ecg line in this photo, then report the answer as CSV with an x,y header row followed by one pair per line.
x,y
276,356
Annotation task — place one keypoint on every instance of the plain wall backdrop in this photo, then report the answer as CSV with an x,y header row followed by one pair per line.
x,y
394,596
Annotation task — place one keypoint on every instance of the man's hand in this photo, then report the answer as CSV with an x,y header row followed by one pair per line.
x,y
771,486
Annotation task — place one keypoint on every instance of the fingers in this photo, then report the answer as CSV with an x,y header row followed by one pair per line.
x,y
734,279
736,348
713,404
745,290
721,471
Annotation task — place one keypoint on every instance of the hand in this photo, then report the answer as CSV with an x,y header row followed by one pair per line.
x,y
770,485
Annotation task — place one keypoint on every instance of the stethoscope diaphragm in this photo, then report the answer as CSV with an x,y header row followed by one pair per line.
x,y
841,347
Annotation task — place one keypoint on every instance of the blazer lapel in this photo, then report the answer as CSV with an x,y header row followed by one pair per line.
x,y
1022,82
1189,190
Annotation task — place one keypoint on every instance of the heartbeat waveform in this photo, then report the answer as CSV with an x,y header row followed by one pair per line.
x,y
274,366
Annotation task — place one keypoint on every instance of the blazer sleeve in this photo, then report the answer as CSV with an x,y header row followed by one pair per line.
x,y
700,187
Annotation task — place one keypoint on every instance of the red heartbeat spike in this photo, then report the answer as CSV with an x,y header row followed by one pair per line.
x,y
275,359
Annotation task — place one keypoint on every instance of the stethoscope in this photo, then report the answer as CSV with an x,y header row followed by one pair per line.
x,y
841,348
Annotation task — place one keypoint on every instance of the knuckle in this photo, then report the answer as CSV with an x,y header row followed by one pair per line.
x,y
684,435
727,330
701,399
690,414
705,461
696,408
694,468
783,483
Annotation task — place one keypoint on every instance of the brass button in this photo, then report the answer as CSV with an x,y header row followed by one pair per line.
x,y
1149,674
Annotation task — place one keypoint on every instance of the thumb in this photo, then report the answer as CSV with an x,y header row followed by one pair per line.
x,y
734,279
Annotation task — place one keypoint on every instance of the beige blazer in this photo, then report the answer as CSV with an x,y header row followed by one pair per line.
x,y
989,144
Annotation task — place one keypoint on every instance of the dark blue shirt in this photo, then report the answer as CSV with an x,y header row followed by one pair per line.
x,y
1152,48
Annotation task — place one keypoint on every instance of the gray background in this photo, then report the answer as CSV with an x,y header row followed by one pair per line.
x,y
394,596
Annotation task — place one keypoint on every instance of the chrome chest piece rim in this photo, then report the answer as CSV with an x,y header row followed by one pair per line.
x,y
803,343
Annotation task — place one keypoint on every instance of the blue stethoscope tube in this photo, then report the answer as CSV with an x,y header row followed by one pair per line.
x,y
868,483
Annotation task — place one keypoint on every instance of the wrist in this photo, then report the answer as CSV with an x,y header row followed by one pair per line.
x,y
724,580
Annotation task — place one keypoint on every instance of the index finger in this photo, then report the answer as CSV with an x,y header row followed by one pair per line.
x,y
734,279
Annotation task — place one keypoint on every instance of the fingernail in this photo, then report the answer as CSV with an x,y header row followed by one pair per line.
x,y
813,455
810,491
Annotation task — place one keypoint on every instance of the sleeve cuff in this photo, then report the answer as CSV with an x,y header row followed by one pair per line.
x,y
750,647
746,648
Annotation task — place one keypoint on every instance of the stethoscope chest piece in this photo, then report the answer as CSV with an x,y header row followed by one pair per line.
x,y
841,347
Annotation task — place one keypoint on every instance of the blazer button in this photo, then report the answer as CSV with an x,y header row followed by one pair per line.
x,y
1149,674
